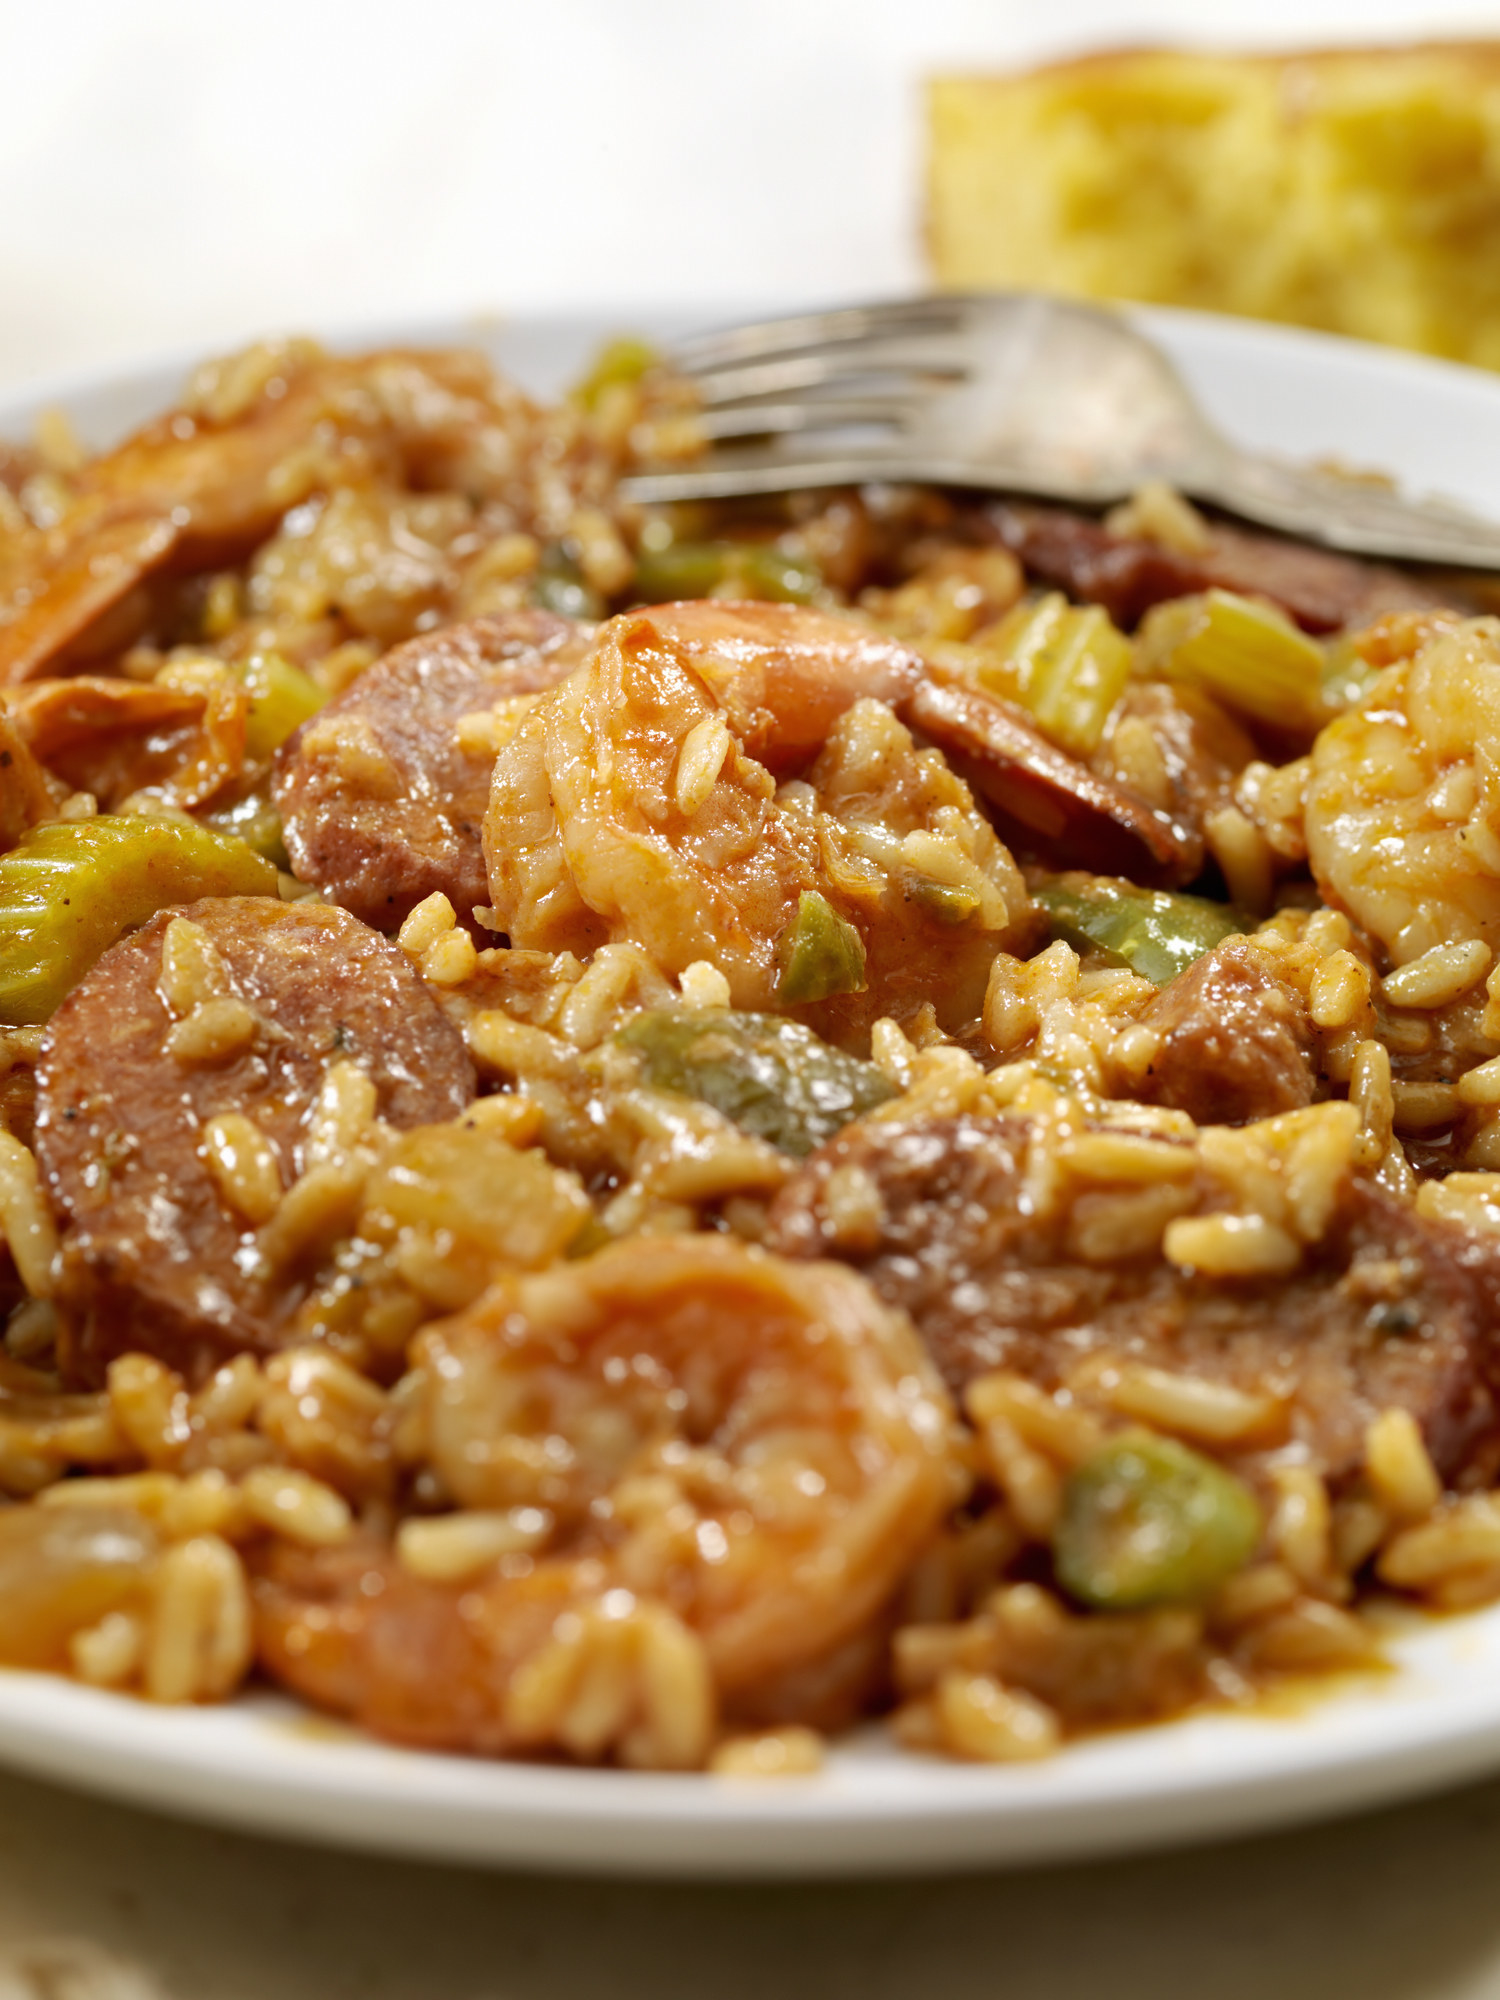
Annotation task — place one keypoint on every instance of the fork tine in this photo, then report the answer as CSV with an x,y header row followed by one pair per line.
x,y
840,366
778,419
1011,392
786,468
802,331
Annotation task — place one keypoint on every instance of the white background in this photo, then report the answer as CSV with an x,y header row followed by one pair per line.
x,y
177,172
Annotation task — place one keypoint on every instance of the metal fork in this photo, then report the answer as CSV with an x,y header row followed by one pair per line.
x,y
1016,393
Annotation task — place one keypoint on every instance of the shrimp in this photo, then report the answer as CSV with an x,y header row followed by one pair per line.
x,y
259,434
25,796
1401,799
715,1467
170,743
639,801
184,490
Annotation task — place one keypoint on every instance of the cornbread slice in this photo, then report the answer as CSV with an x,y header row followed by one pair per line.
x,y
1356,190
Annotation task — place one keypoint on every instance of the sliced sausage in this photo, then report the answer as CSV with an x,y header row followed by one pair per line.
x,y
1236,1041
380,803
1322,590
1393,1310
1046,805
1202,748
153,1255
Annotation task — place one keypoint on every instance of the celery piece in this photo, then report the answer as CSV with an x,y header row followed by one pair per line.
x,y
1076,677
1146,1521
773,1077
253,819
1247,653
677,571
282,697
69,889
949,902
818,954
1153,932
624,360
771,573
1066,663
559,585
731,569
1013,647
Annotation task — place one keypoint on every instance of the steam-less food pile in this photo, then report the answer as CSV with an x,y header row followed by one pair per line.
x,y
632,1136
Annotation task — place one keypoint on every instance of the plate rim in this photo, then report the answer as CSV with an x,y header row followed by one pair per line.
x,y
233,1765
266,1764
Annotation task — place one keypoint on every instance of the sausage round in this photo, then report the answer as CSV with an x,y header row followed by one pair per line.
x,y
153,1255
1236,1042
1391,1310
380,803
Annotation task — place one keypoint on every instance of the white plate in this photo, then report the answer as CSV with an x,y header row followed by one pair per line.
x,y
264,1763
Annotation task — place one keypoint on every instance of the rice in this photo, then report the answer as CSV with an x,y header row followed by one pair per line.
x,y
198,1645
290,1503
1231,1246
244,1165
1301,1524
1245,855
977,1717
561,1561
1400,1471
450,1547
214,1032
702,756
29,1230
1208,1412
628,1675
794,1752
1440,975
1310,1637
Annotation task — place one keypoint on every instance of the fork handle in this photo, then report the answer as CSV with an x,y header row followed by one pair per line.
x,y
1313,506
1345,514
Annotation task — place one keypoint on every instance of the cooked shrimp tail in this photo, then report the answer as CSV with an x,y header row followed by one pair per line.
x,y
698,1467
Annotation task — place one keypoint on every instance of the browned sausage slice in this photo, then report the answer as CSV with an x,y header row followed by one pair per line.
x,y
380,802
1236,1041
1323,590
1045,804
153,1255
1391,1310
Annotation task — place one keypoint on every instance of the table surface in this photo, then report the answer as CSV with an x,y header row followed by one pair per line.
x,y
1392,1906
194,175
